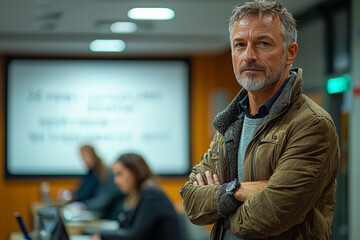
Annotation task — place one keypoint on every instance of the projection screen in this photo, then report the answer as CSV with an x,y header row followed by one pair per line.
x,y
54,106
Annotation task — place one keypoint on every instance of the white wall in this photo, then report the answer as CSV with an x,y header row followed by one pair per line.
x,y
354,161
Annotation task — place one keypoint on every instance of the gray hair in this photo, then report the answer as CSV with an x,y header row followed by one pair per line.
x,y
260,7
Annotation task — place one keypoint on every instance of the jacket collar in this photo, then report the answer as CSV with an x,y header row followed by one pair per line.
x,y
231,113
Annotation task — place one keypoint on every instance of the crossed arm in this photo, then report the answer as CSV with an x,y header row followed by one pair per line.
x,y
245,192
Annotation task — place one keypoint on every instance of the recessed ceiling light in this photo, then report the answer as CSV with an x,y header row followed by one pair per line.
x,y
151,13
107,45
123,27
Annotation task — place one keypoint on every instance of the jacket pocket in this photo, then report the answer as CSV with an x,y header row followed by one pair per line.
x,y
268,151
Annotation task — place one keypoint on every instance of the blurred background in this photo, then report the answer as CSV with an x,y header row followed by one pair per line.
x,y
195,34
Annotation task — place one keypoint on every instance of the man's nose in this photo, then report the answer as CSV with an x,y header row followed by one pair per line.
x,y
250,54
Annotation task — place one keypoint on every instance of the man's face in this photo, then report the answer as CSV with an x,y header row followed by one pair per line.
x,y
257,52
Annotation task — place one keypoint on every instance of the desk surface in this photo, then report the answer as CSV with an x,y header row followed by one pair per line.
x,y
16,236
90,227
82,222
77,228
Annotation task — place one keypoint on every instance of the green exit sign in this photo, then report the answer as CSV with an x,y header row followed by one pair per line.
x,y
338,84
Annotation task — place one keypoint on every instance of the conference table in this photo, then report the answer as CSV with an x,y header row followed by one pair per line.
x,y
77,222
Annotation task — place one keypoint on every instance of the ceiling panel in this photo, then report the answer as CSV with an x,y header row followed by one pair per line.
x,y
68,26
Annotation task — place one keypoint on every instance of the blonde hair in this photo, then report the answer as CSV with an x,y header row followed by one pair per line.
x,y
99,166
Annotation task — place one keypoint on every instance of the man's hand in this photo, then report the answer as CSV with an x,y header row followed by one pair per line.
x,y
248,189
211,179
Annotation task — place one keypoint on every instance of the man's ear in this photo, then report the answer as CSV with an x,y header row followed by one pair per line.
x,y
291,52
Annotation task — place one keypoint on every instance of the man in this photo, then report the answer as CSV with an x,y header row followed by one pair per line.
x,y
271,168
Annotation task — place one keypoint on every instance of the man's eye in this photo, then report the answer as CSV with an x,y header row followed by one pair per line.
x,y
237,45
264,44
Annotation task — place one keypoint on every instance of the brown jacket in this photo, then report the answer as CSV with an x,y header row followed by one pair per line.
x,y
297,150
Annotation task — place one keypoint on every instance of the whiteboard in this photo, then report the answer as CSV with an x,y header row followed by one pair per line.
x,y
54,106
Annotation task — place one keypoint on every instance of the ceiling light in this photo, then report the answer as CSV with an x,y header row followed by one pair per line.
x,y
107,45
151,13
123,27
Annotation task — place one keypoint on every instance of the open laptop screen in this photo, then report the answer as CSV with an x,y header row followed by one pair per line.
x,y
51,225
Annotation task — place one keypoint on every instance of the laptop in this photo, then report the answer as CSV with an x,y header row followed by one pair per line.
x,y
51,223
72,211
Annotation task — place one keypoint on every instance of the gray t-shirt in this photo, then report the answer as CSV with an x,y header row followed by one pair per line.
x,y
250,126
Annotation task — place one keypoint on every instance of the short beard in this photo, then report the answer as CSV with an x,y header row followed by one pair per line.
x,y
270,79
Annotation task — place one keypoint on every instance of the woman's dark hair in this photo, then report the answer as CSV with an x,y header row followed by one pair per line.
x,y
138,167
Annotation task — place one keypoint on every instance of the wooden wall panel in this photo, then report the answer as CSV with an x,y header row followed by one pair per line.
x,y
209,72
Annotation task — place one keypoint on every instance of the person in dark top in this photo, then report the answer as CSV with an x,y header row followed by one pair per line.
x,y
148,213
97,173
96,189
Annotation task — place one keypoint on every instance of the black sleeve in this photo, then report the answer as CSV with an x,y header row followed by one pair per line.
x,y
87,187
147,213
226,204
105,194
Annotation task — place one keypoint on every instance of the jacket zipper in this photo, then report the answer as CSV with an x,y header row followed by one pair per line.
x,y
253,162
253,177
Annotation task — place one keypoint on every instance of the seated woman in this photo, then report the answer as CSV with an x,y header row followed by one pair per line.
x,y
148,213
96,189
